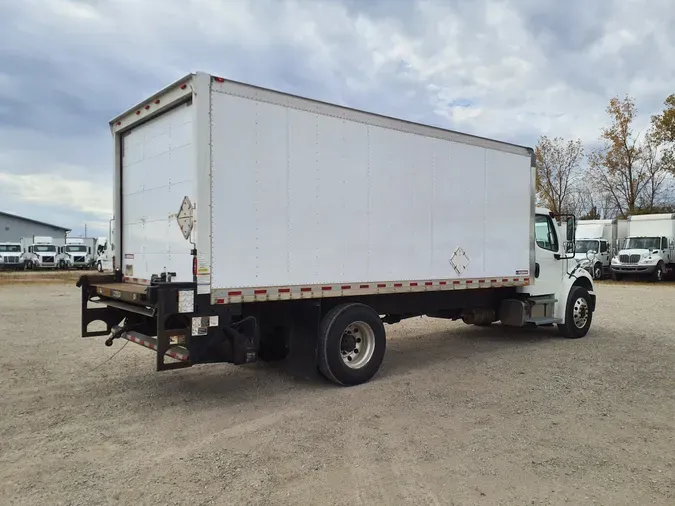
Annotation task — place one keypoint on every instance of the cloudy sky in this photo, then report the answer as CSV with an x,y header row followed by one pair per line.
x,y
511,69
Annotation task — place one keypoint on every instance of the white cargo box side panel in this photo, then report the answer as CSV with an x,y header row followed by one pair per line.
x,y
158,171
301,197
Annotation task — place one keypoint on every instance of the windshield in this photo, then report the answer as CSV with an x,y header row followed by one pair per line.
x,y
10,248
44,248
643,243
584,246
76,247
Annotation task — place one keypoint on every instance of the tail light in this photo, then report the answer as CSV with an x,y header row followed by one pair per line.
x,y
194,266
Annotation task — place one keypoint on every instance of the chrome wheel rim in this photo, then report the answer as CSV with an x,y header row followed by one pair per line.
x,y
659,274
580,313
357,345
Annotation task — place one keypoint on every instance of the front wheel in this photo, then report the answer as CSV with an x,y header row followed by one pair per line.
x,y
352,343
578,314
597,271
658,273
99,267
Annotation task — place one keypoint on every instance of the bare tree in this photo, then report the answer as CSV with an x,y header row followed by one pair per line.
x,y
628,167
557,172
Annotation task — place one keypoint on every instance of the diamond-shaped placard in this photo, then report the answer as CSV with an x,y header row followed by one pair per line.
x,y
185,221
459,261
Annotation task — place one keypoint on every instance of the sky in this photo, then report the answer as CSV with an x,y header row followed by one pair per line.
x,y
511,70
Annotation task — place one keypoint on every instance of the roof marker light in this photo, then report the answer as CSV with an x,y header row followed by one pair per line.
x,y
183,86
147,107
138,112
219,79
156,101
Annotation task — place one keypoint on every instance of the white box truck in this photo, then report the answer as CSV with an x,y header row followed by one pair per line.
x,y
597,243
256,224
648,249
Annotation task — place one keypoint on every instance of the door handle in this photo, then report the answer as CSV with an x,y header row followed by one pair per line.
x,y
536,270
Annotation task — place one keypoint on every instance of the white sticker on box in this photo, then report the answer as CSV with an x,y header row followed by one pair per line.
x,y
203,289
213,321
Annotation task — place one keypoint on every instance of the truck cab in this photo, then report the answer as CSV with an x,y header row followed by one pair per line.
x,y
10,256
650,256
75,255
649,248
40,253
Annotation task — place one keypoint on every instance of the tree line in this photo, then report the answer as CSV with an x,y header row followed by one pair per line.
x,y
628,173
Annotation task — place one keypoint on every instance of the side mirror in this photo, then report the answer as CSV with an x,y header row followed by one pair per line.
x,y
89,250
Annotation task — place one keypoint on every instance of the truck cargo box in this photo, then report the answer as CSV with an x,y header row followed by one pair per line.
x,y
286,197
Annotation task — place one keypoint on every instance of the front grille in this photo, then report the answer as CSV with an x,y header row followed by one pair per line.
x,y
629,259
48,260
11,260
78,259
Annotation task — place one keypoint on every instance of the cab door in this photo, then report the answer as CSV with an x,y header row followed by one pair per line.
x,y
548,269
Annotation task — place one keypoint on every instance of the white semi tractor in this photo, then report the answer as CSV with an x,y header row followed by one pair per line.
x,y
11,257
77,253
253,224
649,248
596,244
40,252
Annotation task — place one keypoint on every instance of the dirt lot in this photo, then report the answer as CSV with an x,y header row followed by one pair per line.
x,y
457,415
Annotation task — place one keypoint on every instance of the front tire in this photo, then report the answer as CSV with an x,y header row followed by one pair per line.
x,y
597,271
352,343
657,275
99,266
578,314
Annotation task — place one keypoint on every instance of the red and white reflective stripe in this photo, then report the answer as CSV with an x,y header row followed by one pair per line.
x,y
138,281
253,294
173,353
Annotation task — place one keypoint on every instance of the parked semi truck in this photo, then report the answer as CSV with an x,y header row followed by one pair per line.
x,y
597,242
648,249
105,250
76,253
40,252
11,256
253,224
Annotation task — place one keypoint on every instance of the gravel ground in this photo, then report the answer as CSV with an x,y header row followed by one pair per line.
x,y
457,415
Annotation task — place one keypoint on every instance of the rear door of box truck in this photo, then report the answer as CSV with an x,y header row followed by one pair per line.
x,y
158,171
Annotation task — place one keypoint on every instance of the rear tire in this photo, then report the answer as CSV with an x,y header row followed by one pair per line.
x,y
578,314
352,343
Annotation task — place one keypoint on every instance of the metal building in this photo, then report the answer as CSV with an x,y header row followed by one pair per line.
x,y
13,228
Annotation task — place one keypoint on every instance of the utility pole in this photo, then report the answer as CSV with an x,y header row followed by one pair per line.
x,y
85,230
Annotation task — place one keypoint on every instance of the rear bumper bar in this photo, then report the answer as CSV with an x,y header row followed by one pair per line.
x,y
169,318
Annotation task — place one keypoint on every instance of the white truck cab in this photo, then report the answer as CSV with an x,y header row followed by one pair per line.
x,y
40,252
10,256
596,244
75,254
649,248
